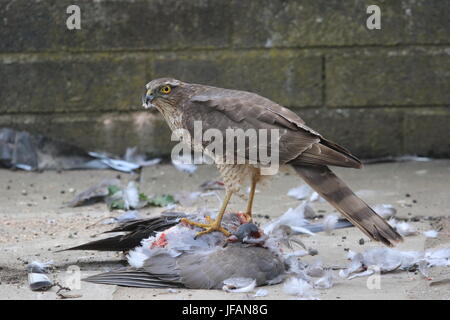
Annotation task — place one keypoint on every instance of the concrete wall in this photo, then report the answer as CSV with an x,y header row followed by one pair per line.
x,y
377,92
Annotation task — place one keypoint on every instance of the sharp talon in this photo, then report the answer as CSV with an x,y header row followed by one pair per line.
x,y
209,227
209,220
193,223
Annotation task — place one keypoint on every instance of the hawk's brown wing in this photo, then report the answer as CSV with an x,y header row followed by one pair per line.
x,y
222,109
299,145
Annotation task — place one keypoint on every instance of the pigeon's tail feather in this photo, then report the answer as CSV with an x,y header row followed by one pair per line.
x,y
117,243
340,196
134,278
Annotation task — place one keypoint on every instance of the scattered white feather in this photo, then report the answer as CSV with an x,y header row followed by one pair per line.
x,y
438,257
131,196
124,217
239,285
329,222
325,282
431,234
355,266
387,260
315,269
404,228
120,165
137,257
132,155
297,267
298,287
170,206
300,193
128,215
302,230
261,293
116,164
297,253
151,162
386,211
184,164
412,158
366,273
316,197
295,218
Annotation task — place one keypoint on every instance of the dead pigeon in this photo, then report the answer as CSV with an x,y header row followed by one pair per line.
x,y
168,255
201,270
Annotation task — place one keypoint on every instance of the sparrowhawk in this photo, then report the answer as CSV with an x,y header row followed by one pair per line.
x,y
304,149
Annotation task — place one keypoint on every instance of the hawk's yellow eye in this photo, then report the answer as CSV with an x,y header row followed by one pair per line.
x,y
166,89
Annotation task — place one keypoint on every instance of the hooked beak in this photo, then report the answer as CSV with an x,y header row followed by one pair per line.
x,y
147,100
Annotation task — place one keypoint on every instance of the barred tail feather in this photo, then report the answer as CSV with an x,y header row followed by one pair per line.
x,y
340,196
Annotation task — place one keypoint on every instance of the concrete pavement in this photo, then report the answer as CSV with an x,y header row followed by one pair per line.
x,y
34,225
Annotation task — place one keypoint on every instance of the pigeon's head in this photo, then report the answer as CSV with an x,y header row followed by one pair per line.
x,y
248,233
162,93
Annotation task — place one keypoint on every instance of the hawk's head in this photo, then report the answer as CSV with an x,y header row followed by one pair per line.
x,y
160,92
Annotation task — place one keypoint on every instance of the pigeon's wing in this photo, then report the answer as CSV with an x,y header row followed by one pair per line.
x,y
159,271
136,232
208,271
157,224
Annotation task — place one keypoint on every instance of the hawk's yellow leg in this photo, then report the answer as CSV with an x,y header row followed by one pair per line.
x,y
212,225
248,211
